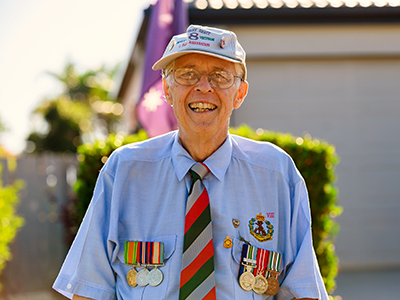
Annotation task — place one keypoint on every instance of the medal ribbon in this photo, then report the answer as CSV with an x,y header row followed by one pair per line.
x,y
144,253
262,261
274,264
249,257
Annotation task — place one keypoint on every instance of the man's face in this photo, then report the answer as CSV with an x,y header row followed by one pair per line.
x,y
202,109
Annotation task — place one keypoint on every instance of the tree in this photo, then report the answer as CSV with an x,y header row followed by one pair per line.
x,y
10,222
82,112
3,151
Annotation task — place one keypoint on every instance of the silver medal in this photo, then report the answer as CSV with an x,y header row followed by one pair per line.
x,y
155,277
142,277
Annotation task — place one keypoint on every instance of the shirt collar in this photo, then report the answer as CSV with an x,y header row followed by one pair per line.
x,y
218,162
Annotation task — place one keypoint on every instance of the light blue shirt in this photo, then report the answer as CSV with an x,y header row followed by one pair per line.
x,y
141,193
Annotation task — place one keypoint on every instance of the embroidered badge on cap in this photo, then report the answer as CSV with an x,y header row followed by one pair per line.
x,y
260,228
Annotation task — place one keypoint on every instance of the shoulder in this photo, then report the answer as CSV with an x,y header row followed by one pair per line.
x,y
151,150
265,155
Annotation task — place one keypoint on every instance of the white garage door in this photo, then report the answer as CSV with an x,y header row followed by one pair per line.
x,y
355,105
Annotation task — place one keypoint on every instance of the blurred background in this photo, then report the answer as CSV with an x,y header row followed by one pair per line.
x,y
326,69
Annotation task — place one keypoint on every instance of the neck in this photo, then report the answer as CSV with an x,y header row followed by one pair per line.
x,y
201,147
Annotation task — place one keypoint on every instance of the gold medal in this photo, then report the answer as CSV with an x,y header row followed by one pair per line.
x,y
273,286
131,277
260,284
249,262
228,242
246,280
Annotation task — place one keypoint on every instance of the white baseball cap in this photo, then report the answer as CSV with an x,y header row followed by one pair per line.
x,y
211,41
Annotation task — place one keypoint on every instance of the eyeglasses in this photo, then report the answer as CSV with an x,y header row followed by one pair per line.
x,y
219,79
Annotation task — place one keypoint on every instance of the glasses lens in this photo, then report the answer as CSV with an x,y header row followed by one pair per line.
x,y
221,79
218,79
186,76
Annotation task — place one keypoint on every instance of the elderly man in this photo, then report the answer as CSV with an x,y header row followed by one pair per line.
x,y
197,213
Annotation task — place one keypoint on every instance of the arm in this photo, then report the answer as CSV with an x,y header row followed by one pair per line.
x,y
303,277
76,297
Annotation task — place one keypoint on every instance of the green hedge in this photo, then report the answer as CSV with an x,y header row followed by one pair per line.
x,y
9,221
315,159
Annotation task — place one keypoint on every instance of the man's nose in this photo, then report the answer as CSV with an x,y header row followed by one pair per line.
x,y
204,84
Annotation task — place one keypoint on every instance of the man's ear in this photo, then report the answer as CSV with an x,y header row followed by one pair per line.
x,y
166,91
241,94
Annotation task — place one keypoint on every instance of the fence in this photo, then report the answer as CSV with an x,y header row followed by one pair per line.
x,y
39,249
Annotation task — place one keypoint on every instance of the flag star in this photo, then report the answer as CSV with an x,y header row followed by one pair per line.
x,y
152,99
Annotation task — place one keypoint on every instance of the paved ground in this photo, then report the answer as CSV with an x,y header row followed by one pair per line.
x,y
367,285
45,295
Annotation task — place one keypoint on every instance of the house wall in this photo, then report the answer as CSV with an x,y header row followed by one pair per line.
x,y
340,84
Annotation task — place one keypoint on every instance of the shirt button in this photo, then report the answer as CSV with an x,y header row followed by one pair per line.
x,y
69,286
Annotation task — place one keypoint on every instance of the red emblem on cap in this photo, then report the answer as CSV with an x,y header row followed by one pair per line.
x,y
222,44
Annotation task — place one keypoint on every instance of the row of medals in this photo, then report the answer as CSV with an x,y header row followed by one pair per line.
x,y
145,277
259,284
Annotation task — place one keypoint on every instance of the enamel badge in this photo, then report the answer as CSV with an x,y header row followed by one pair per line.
x,y
222,43
260,228
228,242
172,44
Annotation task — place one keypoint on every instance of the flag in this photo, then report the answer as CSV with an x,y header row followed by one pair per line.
x,y
167,18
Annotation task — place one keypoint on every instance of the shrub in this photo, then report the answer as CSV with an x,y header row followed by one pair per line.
x,y
9,221
315,160
91,158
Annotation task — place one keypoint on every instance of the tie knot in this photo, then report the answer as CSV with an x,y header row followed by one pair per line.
x,y
199,169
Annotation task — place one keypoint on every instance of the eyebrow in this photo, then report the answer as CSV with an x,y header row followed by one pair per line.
x,y
214,68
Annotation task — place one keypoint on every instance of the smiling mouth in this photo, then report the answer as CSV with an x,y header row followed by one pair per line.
x,y
200,107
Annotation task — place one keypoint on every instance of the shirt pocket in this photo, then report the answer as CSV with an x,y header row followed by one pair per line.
x,y
236,260
125,291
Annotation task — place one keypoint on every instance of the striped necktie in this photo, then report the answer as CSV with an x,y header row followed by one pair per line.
x,y
197,275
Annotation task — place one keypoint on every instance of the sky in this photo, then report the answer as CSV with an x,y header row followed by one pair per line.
x,y
39,36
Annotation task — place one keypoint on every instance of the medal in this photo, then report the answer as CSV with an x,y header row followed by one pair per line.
x,y
273,286
246,280
155,277
142,277
273,271
261,283
131,277
248,262
255,263
144,254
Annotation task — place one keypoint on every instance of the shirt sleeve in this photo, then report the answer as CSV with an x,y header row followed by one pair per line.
x,y
87,268
303,278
